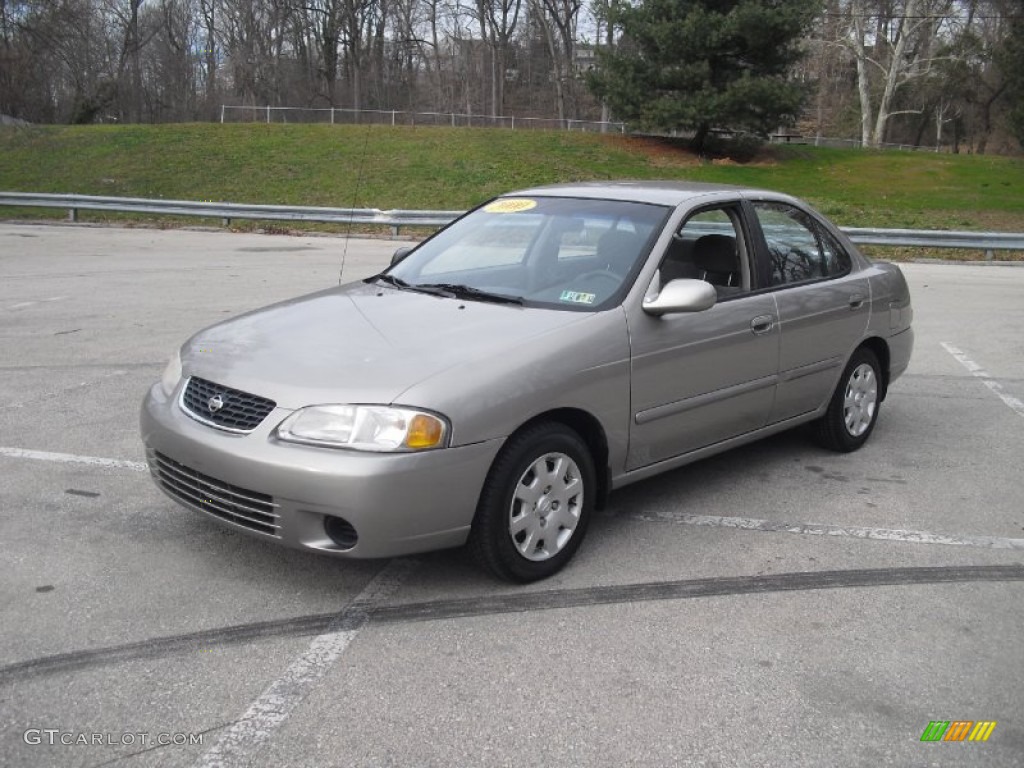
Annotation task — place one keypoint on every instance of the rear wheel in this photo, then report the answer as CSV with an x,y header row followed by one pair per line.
x,y
536,504
853,410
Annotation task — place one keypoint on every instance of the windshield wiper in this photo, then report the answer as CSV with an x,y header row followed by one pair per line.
x,y
398,282
460,291
448,290
389,279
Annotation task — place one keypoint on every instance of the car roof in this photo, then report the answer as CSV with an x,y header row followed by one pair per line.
x,y
658,192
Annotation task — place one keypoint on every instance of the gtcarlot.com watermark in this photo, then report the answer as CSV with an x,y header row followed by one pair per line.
x,y
55,737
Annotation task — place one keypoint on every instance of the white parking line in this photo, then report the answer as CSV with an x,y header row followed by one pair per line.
x,y
980,373
814,529
743,523
238,745
70,458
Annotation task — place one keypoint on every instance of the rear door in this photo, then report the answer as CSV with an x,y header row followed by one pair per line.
x,y
823,304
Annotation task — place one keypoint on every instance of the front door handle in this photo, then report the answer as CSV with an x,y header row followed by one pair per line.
x,y
762,324
856,301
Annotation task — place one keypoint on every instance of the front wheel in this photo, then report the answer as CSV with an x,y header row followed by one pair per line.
x,y
535,505
853,410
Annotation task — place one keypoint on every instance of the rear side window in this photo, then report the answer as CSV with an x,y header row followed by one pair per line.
x,y
799,248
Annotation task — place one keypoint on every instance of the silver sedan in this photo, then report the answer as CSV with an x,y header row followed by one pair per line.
x,y
497,381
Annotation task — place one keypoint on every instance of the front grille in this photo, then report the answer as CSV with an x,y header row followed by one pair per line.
x,y
254,510
238,411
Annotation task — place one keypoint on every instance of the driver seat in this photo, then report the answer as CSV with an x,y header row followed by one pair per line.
x,y
716,258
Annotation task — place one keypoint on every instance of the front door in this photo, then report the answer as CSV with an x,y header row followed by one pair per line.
x,y
704,377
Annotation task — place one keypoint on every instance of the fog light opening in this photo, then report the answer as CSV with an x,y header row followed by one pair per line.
x,y
341,532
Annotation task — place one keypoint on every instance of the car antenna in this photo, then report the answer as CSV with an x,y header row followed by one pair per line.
x,y
355,197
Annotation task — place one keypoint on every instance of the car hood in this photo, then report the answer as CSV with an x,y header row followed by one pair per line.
x,y
359,343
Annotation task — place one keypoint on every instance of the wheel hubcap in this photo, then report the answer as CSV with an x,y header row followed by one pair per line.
x,y
861,400
546,506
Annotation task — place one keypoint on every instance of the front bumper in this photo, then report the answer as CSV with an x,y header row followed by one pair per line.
x,y
397,504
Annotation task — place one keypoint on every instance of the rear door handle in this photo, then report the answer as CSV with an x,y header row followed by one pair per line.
x,y
762,324
856,301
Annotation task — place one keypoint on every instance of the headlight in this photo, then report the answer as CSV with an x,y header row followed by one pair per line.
x,y
172,374
365,428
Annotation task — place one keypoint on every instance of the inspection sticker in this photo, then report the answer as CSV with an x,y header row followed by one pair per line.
x,y
510,205
578,298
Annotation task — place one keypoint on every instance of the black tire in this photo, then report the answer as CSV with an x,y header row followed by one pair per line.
x,y
492,542
833,430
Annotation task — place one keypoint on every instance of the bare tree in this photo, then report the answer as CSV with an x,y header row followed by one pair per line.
x,y
498,20
171,80
906,70
132,51
557,19
892,43
353,18
254,34
207,10
325,19
605,36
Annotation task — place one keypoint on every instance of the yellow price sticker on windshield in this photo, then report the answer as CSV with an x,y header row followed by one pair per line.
x,y
510,205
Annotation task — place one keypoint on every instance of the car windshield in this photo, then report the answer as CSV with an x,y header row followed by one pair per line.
x,y
564,253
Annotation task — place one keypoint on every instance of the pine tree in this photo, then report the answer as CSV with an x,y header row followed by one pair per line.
x,y
694,65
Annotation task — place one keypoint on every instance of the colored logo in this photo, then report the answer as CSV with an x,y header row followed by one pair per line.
x,y
958,730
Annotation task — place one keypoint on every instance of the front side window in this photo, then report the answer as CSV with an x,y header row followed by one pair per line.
x,y
799,248
565,253
709,247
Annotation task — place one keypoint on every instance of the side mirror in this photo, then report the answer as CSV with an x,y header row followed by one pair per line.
x,y
681,296
400,254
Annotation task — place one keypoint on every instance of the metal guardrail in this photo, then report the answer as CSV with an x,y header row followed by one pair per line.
x,y
395,219
937,238
228,211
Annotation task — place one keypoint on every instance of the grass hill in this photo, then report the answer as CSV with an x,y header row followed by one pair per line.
x,y
446,168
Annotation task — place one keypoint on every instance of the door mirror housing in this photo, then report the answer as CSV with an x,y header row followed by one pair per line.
x,y
685,295
400,254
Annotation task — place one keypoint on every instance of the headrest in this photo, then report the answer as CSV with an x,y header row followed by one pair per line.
x,y
716,253
619,249
616,242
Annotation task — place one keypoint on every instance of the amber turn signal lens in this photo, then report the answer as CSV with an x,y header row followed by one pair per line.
x,y
424,431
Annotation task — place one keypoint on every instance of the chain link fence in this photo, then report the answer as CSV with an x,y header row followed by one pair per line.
x,y
343,116
233,113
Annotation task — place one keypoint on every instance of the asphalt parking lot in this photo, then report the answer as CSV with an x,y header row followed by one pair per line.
x,y
776,605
